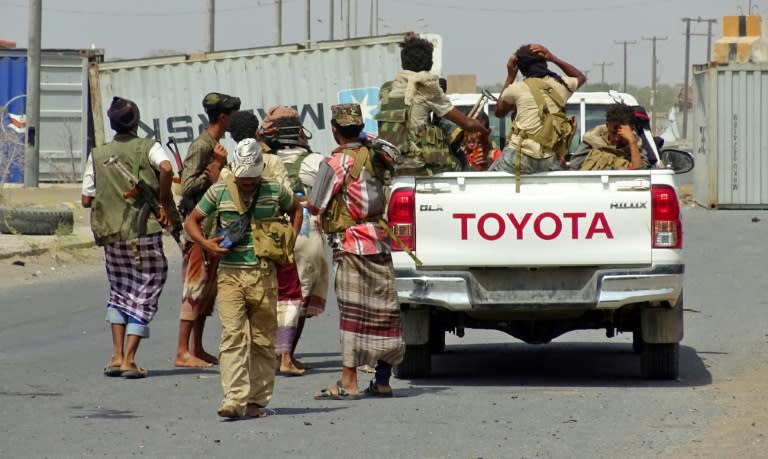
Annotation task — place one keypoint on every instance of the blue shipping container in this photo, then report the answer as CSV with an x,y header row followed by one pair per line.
x,y
13,90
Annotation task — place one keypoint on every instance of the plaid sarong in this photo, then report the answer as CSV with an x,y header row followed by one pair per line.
x,y
369,311
135,288
288,302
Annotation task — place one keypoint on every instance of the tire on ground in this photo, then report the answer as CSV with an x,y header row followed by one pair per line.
x,y
417,363
660,360
36,220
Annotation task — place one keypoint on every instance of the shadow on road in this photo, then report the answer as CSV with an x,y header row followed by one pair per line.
x,y
555,364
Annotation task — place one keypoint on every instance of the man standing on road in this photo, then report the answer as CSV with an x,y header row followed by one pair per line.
x,y
136,265
405,108
205,159
350,200
527,133
287,139
247,283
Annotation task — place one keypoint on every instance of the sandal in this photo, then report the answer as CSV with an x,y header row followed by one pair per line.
x,y
373,391
113,371
340,394
136,373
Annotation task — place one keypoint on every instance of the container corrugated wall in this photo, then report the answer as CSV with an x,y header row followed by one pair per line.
x,y
730,136
63,130
169,91
13,84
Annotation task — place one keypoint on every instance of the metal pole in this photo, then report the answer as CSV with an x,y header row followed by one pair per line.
x,y
376,16
347,17
331,20
211,23
307,23
32,151
685,78
709,39
278,22
653,39
370,24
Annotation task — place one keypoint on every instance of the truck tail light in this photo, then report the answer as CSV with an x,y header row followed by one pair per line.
x,y
401,215
665,218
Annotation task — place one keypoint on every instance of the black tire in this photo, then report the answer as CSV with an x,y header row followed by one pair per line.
x,y
660,361
436,337
417,363
637,340
36,221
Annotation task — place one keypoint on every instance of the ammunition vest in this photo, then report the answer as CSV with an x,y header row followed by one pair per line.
x,y
113,217
557,128
337,217
425,147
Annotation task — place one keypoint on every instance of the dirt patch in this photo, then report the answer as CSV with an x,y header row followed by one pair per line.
x,y
54,265
741,429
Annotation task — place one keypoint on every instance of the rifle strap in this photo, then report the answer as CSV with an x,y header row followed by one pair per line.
x,y
400,243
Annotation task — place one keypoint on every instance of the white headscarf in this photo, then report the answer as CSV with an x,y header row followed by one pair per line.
x,y
248,159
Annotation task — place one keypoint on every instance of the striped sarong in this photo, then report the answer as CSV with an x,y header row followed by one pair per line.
x,y
288,303
135,288
370,323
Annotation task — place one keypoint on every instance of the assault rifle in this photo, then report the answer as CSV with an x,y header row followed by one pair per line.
x,y
142,192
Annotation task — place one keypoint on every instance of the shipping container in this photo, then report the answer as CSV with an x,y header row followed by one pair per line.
x,y
730,136
63,130
169,90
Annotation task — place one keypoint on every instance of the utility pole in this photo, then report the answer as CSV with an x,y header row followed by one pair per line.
x,y
331,20
372,19
653,39
307,23
32,150
278,22
211,23
603,65
686,76
625,43
376,17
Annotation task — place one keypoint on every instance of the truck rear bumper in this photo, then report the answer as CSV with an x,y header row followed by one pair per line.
x,y
515,290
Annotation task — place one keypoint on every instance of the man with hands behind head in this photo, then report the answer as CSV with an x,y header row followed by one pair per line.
x,y
613,145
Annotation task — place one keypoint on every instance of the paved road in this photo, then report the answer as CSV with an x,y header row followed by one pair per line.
x,y
491,397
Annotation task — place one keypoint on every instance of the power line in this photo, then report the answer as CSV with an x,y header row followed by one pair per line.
x,y
653,39
625,43
602,66
474,8
133,13
688,62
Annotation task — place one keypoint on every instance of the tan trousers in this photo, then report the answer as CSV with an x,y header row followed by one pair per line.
x,y
248,314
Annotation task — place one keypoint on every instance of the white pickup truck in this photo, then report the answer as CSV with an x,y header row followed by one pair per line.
x,y
571,251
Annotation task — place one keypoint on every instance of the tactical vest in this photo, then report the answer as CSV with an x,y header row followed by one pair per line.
x,y
113,217
557,128
423,148
337,217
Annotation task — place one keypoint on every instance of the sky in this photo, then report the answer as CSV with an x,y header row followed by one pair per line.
x,y
478,36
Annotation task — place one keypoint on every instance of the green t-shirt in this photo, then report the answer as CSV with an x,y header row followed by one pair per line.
x,y
273,200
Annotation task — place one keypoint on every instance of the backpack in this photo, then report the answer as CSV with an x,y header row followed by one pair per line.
x,y
557,129
293,169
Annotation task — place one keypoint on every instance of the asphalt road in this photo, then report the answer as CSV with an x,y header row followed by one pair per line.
x,y
491,396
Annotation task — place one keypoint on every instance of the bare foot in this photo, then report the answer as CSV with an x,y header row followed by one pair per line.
x,y
291,371
207,358
188,360
299,364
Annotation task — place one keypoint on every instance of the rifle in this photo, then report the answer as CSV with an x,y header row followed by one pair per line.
x,y
174,149
141,191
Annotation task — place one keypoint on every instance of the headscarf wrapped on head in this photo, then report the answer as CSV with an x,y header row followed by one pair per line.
x,y
248,159
123,115
532,65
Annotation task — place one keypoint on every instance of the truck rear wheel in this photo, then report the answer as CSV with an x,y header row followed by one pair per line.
x,y
436,337
660,360
417,362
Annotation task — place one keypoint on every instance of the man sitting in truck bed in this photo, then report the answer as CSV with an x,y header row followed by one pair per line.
x,y
613,145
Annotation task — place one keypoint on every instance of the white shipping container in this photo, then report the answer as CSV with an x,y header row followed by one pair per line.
x,y
169,90
730,139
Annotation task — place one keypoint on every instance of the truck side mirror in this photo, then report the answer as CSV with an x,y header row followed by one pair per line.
x,y
678,160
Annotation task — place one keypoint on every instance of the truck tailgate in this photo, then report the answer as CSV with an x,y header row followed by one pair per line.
x,y
557,219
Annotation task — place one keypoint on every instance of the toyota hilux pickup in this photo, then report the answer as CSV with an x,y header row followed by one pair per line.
x,y
569,250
